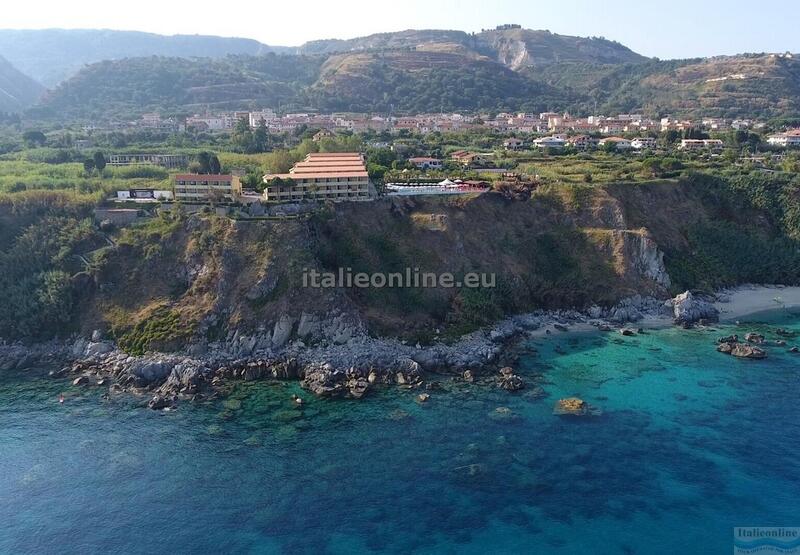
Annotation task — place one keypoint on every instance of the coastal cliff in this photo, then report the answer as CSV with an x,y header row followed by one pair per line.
x,y
185,282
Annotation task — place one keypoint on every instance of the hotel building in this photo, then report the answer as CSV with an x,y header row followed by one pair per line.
x,y
321,176
196,187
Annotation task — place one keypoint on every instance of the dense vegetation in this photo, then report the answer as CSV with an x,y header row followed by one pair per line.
x,y
41,273
419,82
180,86
755,238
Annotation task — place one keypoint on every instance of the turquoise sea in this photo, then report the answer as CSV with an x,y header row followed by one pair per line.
x,y
691,443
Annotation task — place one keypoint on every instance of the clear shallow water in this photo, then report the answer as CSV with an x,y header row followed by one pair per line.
x,y
691,444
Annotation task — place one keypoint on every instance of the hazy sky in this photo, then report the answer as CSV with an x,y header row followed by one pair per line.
x,y
673,29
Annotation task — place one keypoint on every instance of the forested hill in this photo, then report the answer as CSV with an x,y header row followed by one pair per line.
x,y
17,90
405,72
429,79
122,88
53,55
411,81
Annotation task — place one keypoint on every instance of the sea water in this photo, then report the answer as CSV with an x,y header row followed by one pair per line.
x,y
691,443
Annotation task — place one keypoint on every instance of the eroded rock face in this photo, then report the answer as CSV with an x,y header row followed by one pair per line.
x,y
283,331
688,309
648,259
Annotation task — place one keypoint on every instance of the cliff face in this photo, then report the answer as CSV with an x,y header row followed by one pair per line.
x,y
180,279
203,276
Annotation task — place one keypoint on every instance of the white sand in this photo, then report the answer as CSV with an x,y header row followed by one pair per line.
x,y
740,302
751,299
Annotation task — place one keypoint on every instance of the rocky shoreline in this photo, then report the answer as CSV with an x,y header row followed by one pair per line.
x,y
332,358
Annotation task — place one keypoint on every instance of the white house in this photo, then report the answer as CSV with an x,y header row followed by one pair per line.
x,y
513,144
643,143
425,163
618,142
549,142
785,140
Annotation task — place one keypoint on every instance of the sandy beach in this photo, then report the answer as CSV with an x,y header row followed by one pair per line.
x,y
750,299
735,303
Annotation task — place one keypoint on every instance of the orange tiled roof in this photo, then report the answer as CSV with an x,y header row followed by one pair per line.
x,y
203,177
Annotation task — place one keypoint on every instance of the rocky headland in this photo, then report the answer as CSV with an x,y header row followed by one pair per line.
x,y
336,357
333,357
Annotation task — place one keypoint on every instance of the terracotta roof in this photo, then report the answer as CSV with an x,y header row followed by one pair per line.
x,y
329,164
333,154
321,175
340,160
330,171
202,177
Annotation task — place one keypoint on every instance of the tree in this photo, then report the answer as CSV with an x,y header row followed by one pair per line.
x,y
34,138
214,165
99,161
672,136
652,167
261,136
208,163
242,136
88,165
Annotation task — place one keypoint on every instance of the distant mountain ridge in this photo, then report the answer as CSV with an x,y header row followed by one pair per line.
x,y
17,90
53,55
515,48
507,69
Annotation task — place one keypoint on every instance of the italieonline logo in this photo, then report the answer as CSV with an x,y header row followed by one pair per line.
x,y
408,278
766,541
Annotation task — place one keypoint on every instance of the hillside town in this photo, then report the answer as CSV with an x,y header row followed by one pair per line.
x,y
541,123
328,176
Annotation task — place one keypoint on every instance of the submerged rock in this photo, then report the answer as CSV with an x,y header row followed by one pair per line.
x,y
573,406
159,402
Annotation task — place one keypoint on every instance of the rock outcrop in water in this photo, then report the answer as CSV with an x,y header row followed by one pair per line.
x,y
688,309
510,381
731,346
332,356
